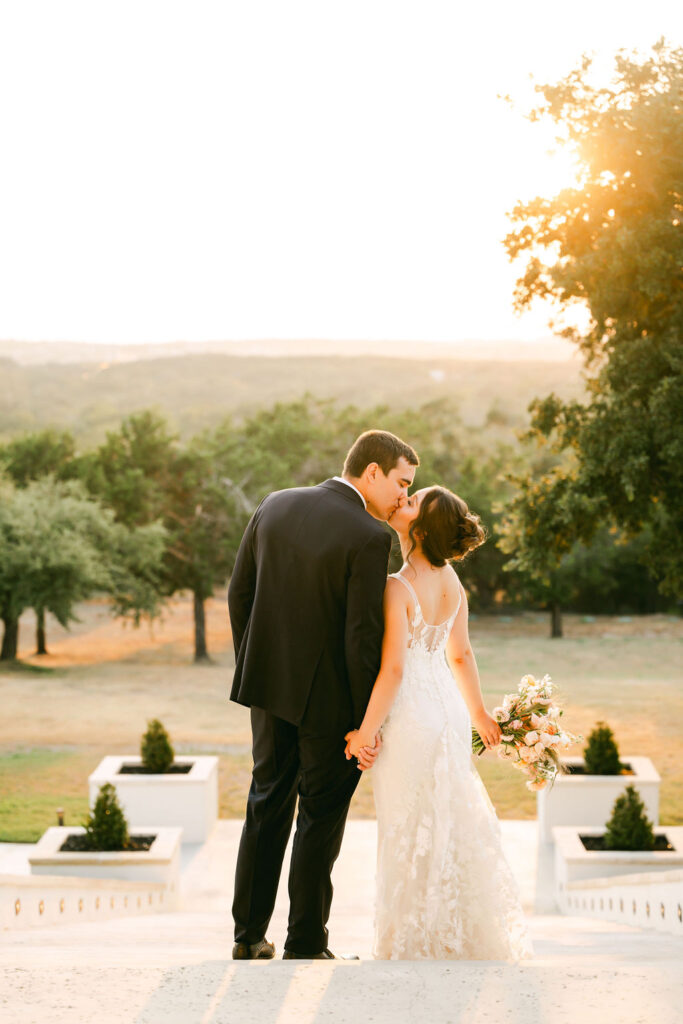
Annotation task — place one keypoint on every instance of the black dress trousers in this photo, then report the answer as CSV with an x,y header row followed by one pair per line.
x,y
290,761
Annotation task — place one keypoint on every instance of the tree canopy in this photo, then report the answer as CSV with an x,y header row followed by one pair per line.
x,y
58,546
612,245
44,452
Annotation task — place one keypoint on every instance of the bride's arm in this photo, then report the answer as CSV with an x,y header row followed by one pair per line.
x,y
394,644
463,665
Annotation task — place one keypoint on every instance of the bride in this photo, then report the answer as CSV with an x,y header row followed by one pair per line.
x,y
444,888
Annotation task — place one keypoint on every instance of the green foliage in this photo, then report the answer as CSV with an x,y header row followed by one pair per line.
x,y
145,475
32,456
156,750
613,245
629,828
106,827
130,471
58,546
601,755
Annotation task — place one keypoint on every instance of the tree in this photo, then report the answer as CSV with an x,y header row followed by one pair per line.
x,y
106,827
30,457
202,520
222,476
156,749
629,827
613,245
129,472
143,474
58,546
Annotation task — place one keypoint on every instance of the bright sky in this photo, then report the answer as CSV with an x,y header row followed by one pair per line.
x,y
291,169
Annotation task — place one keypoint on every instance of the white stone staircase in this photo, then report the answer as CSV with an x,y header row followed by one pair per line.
x,y
175,967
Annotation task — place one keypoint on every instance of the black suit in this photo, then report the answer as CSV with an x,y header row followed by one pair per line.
x,y
305,603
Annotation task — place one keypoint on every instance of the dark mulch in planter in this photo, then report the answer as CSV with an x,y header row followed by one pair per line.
x,y
79,844
598,843
580,769
141,769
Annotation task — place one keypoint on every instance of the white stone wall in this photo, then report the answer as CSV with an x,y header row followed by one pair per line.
x,y
652,900
30,901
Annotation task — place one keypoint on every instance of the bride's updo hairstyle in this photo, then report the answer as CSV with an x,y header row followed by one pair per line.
x,y
445,527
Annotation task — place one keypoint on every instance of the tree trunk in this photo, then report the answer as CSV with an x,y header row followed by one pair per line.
x,y
555,619
41,647
200,651
10,639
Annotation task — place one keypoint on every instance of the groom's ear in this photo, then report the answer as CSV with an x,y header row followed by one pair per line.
x,y
371,470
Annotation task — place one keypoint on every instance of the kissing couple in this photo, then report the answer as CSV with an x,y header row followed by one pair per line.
x,y
346,668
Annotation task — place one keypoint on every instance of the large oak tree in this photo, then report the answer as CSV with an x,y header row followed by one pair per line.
x,y
612,245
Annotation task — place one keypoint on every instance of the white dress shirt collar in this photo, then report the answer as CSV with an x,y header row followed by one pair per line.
x,y
353,488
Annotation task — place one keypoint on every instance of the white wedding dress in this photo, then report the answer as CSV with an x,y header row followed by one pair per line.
x,y
444,888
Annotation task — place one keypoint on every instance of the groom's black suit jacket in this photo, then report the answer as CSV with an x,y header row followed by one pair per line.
x,y
305,603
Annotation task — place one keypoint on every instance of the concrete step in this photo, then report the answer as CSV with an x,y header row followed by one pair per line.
x,y
188,985
176,967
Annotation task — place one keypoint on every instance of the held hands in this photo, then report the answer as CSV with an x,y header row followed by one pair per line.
x,y
364,748
487,727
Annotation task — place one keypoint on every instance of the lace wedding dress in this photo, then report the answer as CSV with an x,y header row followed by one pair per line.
x,y
444,888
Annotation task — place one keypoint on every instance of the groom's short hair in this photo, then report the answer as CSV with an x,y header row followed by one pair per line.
x,y
381,447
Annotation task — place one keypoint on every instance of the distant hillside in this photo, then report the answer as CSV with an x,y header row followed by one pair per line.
x,y
195,391
548,350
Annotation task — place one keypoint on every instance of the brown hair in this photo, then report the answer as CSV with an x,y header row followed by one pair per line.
x,y
445,527
377,446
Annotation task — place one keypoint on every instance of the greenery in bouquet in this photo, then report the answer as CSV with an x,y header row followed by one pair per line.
x,y
531,733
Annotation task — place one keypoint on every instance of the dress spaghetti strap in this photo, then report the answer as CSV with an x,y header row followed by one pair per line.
x,y
411,589
418,606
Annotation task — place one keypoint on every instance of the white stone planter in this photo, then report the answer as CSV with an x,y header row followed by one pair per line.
x,y
188,801
589,799
573,862
161,863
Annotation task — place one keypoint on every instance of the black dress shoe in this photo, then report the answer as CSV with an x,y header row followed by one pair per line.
x,y
325,955
262,950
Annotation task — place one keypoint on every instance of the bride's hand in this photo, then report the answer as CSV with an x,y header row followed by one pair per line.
x,y
363,748
487,727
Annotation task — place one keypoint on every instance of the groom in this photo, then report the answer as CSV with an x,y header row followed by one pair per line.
x,y
305,603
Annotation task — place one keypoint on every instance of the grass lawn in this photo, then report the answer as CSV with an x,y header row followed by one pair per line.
x,y
101,683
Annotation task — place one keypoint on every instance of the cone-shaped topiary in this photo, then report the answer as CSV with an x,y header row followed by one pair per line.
x,y
629,828
156,750
106,827
601,755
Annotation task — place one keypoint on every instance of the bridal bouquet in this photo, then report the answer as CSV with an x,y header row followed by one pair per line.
x,y
531,733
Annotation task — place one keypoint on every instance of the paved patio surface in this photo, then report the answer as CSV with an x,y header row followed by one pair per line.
x,y
176,968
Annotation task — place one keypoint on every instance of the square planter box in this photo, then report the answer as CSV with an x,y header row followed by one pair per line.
x,y
161,863
188,801
589,799
573,862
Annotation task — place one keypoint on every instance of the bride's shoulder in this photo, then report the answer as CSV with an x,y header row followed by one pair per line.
x,y
458,586
395,585
451,574
455,581
397,590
